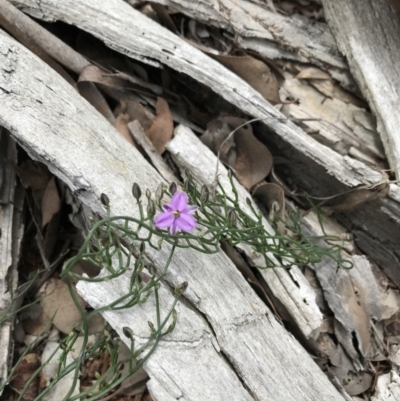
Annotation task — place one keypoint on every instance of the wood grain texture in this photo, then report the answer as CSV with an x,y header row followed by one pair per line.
x,y
56,126
368,34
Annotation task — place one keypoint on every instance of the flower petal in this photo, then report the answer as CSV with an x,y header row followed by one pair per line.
x,y
167,208
179,201
164,220
174,227
189,209
186,222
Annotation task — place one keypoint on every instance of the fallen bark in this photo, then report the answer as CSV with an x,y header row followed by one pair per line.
x,y
225,318
367,34
10,240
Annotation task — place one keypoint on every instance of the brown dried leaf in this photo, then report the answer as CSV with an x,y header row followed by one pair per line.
x,y
360,196
272,196
160,132
58,304
51,202
312,73
121,124
256,73
253,160
33,175
89,91
23,373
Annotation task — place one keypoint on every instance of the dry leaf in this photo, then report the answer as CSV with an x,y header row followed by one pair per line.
x,y
253,160
216,139
58,304
160,132
272,197
121,124
319,79
360,196
256,73
89,91
24,371
33,175
120,80
51,202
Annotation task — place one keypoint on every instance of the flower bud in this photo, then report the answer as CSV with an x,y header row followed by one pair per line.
x,y
152,269
142,247
204,194
172,188
128,332
232,218
104,200
181,288
136,191
148,193
159,192
151,208
248,201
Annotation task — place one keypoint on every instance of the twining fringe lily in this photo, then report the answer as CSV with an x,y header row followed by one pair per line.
x,y
177,216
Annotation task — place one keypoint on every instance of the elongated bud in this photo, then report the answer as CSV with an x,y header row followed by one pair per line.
x,y
142,247
151,325
204,194
148,193
181,288
232,218
248,201
172,188
104,200
151,208
159,192
152,270
136,191
229,174
128,332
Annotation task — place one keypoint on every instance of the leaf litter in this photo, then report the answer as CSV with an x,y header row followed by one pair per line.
x,y
361,307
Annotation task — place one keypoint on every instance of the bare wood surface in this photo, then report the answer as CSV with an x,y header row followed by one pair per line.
x,y
49,119
368,34
10,239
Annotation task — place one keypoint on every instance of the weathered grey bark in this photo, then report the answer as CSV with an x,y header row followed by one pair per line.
x,y
225,319
256,27
10,239
313,167
368,34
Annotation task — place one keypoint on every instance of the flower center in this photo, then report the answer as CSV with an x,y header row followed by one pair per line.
x,y
176,213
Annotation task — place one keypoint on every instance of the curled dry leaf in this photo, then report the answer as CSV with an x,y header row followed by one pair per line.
x,y
51,202
160,132
58,305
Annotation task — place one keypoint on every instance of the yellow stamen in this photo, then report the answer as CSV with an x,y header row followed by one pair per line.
x,y
176,213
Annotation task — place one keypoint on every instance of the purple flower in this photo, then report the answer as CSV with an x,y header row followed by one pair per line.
x,y
177,216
